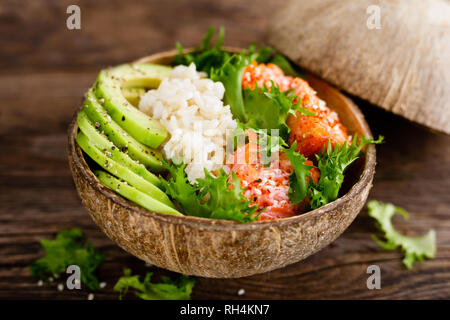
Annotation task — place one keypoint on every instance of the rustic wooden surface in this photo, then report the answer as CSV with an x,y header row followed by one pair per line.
x,y
403,66
44,70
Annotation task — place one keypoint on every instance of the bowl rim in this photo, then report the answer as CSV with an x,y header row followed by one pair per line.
x,y
76,156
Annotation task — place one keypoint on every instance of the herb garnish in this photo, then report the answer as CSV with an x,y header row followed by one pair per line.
x,y
210,197
67,249
332,162
179,289
414,248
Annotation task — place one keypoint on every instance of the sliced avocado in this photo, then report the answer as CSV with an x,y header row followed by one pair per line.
x,y
120,171
134,194
136,150
111,151
108,90
133,95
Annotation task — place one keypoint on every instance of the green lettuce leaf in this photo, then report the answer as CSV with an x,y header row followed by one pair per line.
x,y
260,54
298,182
225,200
211,197
65,250
207,56
269,110
179,189
268,55
179,289
414,248
284,65
332,162
230,74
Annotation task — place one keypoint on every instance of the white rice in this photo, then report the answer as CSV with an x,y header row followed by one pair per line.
x,y
191,108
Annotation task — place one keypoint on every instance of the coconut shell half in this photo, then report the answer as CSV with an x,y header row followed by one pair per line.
x,y
395,54
219,248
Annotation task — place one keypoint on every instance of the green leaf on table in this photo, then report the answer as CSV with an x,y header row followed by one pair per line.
x,y
167,289
414,248
68,248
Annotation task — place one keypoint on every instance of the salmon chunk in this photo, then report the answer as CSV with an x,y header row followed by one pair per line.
x,y
267,187
310,132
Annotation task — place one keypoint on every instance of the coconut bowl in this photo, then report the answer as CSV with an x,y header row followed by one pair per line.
x,y
219,248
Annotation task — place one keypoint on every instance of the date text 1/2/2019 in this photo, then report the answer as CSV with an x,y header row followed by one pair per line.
x,y
236,309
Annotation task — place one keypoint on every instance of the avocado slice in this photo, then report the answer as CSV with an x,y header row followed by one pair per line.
x,y
120,171
110,150
133,95
134,194
108,90
136,150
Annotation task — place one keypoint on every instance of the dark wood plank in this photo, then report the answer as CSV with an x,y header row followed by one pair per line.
x,y
42,53
44,71
118,31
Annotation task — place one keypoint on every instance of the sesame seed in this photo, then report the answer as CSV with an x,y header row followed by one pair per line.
x,y
241,292
50,279
102,285
90,296
40,283
60,287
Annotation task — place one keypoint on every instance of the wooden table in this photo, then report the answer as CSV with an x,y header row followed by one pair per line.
x,y
44,71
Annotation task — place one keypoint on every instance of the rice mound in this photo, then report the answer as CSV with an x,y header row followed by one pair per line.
x,y
190,107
